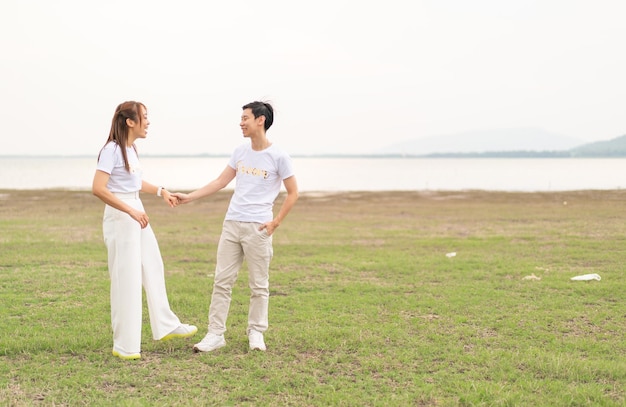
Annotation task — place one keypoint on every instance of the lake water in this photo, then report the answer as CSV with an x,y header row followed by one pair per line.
x,y
342,174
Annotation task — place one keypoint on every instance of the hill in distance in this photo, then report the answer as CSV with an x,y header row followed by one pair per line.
x,y
610,148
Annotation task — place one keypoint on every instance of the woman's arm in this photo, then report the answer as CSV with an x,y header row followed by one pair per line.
x,y
149,188
99,189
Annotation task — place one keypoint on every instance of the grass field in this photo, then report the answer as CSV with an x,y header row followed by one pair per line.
x,y
366,309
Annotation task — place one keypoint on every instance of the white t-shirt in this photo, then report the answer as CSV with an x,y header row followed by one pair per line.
x,y
258,180
112,162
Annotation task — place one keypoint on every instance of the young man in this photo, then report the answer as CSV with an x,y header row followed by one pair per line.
x,y
260,168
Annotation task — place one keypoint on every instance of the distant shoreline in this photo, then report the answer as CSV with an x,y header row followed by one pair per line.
x,y
340,173
503,154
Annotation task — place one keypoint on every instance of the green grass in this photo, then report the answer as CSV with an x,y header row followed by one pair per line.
x,y
365,308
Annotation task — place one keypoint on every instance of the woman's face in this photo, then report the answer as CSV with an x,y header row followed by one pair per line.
x,y
139,129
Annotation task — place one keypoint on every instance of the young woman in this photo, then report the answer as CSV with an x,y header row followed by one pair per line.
x,y
134,257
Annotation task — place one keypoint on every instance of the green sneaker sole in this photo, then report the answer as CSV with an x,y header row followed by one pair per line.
x,y
133,356
172,336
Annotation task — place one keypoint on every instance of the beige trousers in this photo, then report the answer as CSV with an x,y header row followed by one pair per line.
x,y
241,240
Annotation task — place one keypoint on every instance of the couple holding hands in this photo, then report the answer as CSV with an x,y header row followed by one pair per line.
x,y
134,258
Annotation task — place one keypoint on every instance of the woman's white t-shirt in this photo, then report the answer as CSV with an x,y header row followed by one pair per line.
x,y
111,161
258,180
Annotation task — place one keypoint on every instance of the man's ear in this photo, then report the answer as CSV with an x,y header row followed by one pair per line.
x,y
261,120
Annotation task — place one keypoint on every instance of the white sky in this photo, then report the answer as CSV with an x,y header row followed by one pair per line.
x,y
344,76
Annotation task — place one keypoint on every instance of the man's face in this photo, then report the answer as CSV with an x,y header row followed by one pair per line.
x,y
249,124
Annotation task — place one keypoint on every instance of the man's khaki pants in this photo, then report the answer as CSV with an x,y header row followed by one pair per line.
x,y
239,241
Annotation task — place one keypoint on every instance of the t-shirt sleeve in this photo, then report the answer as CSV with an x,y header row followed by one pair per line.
x,y
106,162
235,156
232,163
286,167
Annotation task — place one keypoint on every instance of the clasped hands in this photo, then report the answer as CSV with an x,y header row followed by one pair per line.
x,y
174,199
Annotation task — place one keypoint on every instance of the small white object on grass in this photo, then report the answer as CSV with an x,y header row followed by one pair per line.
x,y
451,254
587,277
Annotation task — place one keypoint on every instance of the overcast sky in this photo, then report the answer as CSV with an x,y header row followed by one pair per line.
x,y
344,76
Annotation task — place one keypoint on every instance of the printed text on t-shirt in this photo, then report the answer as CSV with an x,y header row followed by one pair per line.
x,y
251,171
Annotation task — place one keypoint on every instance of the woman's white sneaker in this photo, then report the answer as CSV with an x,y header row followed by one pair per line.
x,y
126,356
210,342
183,331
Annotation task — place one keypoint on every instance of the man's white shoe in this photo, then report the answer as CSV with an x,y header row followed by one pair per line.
x,y
256,341
210,342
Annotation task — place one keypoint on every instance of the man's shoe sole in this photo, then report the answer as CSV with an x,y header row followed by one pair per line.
x,y
197,350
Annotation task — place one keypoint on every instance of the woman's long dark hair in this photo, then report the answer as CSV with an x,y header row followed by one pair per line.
x,y
119,129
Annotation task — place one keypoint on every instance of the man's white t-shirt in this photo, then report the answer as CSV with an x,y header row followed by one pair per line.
x,y
258,180
111,161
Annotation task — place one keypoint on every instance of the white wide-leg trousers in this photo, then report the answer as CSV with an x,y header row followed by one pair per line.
x,y
134,261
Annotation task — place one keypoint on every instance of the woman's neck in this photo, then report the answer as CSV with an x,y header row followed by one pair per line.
x,y
130,141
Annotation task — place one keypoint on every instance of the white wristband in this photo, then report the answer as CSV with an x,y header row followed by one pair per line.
x,y
159,191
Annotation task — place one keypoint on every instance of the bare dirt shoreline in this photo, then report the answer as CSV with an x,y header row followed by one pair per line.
x,y
328,206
